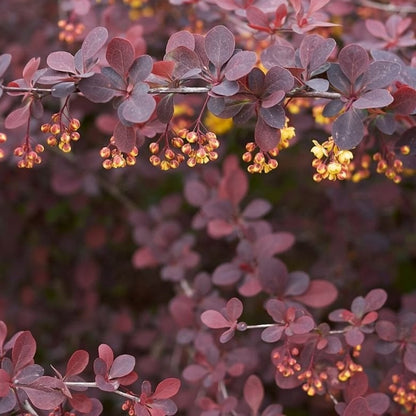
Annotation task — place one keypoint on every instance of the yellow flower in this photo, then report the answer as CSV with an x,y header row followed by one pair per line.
x,y
216,124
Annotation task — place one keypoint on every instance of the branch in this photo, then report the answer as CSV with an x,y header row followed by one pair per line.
x,y
90,384
184,90
388,7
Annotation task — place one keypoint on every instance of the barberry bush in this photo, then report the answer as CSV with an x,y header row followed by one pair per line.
x,y
207,207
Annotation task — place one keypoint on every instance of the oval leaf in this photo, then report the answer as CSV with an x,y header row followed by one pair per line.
x,y
219,45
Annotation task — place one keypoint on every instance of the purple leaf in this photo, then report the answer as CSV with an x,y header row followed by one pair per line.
x,y
141,68
273,116
314,51
98,88
122,365
273,275
23,351
266,137
272,99
93,42
298,283
196,193
61,61
373,99
272,333
226,88
194,372
357,386
77,363
380,74
139,107
240,65
409,358
8,402
375,299
338,80
277,54
63,89
318,84
278,78
120,55
214,319
226,274
348,130
257,208
219,45
386,330
271,244
185,61
125,137
5,60
378,403
165,109
404,100
235,186
353,61
253,393
302,325
181,38
257,18
354,337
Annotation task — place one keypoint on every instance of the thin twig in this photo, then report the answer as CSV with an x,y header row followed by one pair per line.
x,y
404,9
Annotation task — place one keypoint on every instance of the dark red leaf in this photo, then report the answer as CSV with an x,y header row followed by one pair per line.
x,y
120,55
253,393
357,386
81,402
45,392
357,407
30,69
404,100
23,351
267,138
353,61
219,45
17,117
166,388
77,363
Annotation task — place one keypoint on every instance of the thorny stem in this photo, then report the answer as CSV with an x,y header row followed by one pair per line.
x,y
90,384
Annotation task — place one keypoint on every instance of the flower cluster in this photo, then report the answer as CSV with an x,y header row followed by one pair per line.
x,y
404,393
361,169
313,382
264,161
390,165
63,130
3,139
70,32
330,162
114,158
29,157
197,147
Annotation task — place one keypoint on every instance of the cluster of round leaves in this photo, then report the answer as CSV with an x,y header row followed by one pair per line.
x,y
23,383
